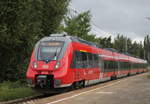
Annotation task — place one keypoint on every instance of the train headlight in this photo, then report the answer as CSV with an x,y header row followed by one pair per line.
x,y
57,65
35,65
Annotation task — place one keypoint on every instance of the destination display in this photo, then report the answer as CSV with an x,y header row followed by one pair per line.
x,y
52,43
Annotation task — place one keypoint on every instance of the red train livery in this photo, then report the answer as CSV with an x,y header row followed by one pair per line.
x,y
60,61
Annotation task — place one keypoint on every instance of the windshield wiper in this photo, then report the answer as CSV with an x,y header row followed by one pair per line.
x,y
55,55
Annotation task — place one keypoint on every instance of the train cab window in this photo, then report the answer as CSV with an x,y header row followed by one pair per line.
x,y
49,50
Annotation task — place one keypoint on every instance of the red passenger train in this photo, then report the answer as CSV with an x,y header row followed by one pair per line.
x,y
61,61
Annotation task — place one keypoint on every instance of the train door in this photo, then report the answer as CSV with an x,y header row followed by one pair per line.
x,y
79,63
118,69
76,65
101,67
129,68
115,68
94,65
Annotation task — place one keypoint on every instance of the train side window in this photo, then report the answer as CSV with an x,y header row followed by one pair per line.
x,y
121,65
110,66
84,59
79,61
100,62
90,60
96,60
115,65
105,66
76,60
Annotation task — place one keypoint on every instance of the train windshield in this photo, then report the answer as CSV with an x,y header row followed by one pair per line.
x,y
49,50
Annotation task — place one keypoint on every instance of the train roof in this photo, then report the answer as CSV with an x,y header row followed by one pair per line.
x,y
65,37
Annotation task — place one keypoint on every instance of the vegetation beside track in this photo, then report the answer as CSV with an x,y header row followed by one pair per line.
x,y
148,76
14,90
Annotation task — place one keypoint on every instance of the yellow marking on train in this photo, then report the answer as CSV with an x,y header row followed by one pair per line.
x,y
83,51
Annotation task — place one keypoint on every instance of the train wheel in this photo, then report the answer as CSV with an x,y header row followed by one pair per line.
x,y
78,85
113,77
128,74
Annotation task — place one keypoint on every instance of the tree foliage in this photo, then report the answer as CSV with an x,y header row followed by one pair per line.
x,y
79,25
126,45
121,43
52,13
105,42
22,23
147,48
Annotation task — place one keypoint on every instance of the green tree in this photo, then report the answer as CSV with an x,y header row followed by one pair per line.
x,y
18,33
105,42
122,43
52,14
147,47
79,25
137,49
126,45
22,23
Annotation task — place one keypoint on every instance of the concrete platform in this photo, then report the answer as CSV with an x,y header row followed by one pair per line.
x,y
130,90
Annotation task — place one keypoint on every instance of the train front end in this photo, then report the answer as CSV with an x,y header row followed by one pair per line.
x,y
48,67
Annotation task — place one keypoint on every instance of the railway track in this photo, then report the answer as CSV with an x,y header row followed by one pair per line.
x,y
32,98
51,97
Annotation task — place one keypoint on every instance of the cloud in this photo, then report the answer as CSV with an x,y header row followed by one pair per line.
x,y
118,16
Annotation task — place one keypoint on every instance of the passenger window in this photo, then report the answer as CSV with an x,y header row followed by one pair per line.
x,y
90,60
84,59
96,60
110,66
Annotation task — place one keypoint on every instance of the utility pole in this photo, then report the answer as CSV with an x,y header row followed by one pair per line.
x,y
148,18
126,44
148,57
144,55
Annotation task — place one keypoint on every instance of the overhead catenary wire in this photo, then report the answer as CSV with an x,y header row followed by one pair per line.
x,y
73,12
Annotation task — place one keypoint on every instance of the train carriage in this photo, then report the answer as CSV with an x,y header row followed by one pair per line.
x,y
60,61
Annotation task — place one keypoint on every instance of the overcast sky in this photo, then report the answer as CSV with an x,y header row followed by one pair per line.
x,y
118,16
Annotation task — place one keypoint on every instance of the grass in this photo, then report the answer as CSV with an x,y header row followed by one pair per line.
x,y
148,69
148,76
12,91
